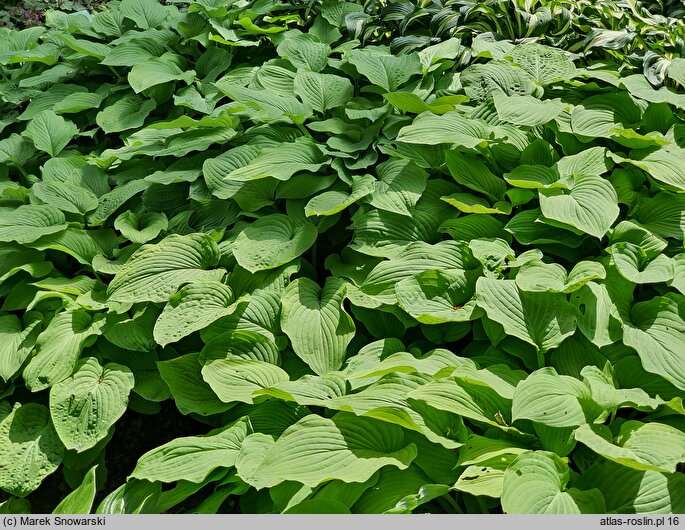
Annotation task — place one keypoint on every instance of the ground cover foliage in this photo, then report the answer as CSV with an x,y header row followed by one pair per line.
x,y
379,258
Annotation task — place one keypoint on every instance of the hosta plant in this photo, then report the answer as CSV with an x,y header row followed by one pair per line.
x,y
250,262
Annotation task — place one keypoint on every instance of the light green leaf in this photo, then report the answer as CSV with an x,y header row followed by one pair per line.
x,y
332,202
526,110
634,264
316,323
323,91
591,206
141,228
66,196
605,394
156,71
190,392
80,501
638,86
30,449
410,102
657,333
154,272
399,492
50,132
537,276
194,457
447,49
308,390
16,343
644,446
436,297
598,115
78,102
84,406
554,400
536,483
662,164
305,52
482,479
385,70
145,13
630,491
468,203
344,448
541,319
194,307
464,396
126,113
273,105
450,128
399,187
592,161
59,346
136,496
482,81
543,63
235,379
29,222
281,162
272,241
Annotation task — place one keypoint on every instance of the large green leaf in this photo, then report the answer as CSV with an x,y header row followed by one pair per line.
x,y
272,241
50,132
125,113
316,450
30,449
316,323
193,458
526,110
387,71
16,343
662,164
84,406
281,162
554,400
644,446
29,222
80,501
657,333
591,205
190,392
472,172
333,201
628,490
304,51
399,186
543,63
194,307
145,13
156,71
235,379
154,272
59,347
323,91
541,319
436,297
536,483
450,128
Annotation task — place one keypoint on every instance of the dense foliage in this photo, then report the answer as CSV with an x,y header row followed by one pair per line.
x,y
366,257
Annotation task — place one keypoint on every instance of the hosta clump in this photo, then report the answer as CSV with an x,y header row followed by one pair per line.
x,y
448,280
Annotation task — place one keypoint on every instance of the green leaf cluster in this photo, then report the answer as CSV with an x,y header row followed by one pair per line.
x,y
359,277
